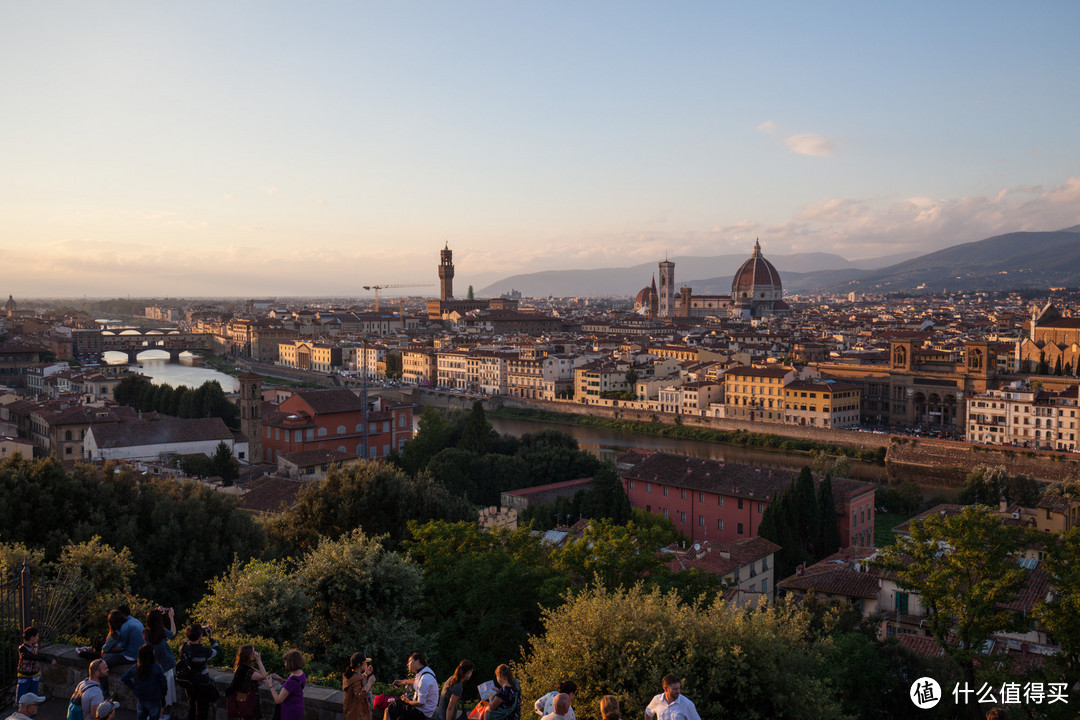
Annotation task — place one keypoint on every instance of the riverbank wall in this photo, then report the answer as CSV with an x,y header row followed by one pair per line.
x,y
946,463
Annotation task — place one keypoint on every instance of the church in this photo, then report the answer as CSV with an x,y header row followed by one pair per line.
x,y
756,292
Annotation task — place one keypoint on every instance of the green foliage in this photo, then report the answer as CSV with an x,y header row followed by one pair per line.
x,y
746,664
12,555
255,599
904,498
226,466
989,485
803,522
829,528
208,400
483,591
963,566
607,497
476,435
375,497
106,572
1061,614
393,365
434,433
361,597
179,534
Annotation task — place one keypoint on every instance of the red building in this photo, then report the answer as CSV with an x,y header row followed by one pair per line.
x,y
722,502
334,420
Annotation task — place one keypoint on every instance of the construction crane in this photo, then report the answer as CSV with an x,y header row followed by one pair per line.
x,y
377,288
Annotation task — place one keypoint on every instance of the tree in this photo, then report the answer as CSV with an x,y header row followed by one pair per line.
x,y
468,608
377,498
361,596
1043,367
1061,614
393,365
607,497
434,432
964,567
1057,366
746,664
829,536
631,381
476,435
225,465
256,599
105,574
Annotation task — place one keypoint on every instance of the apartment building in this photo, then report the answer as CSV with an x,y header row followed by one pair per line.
x,y
1026,416
821,403
756,393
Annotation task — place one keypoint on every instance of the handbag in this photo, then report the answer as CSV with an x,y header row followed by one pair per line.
x,y
241,704
480,711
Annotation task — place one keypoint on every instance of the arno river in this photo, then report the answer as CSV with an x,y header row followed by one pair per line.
x,y
606,444
155,365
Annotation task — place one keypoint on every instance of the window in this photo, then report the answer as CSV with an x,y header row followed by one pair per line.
x,y
683,494
720,500
682,517
322,432
701,520
740,503
701,497
740,529
665,491
901,602
764,563
765,586
340,429
760,508
631,484
309,434
359,427
386,426
648,487
720,525
296,436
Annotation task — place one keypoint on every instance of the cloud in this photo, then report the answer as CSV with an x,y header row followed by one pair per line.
x,y
768,127
316,202
271,191
809,144
230,197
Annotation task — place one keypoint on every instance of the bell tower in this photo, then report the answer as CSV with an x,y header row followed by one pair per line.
x,y
667,288
446,273
251,414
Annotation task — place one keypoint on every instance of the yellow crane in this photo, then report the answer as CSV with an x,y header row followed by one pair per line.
x,y
377,288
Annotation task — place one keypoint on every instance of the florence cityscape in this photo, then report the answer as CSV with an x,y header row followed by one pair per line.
x,y
701,361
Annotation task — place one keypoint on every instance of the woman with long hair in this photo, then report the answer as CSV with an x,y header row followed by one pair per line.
x,y
147,680
609,708
356,685
506,703
156,634
450,698
242,695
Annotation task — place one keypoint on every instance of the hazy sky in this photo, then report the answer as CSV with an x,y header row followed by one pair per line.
x,y
256,148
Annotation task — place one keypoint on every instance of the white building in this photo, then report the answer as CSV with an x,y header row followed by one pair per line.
x,y
149,440
1022,415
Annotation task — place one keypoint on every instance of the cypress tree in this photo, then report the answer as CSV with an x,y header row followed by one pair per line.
x,y
829,541
806,516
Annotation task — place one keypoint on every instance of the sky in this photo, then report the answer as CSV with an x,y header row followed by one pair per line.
x,y
256,148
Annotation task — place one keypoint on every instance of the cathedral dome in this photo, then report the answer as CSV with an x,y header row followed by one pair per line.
x,y
757,280
644,297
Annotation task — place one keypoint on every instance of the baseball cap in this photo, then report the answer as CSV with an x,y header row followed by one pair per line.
x,y
30,699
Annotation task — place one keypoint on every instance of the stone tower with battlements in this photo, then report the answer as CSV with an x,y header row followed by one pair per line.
x,y
446,274
667,289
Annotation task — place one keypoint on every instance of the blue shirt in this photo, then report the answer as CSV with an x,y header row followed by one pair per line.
x,y
149,691
128,640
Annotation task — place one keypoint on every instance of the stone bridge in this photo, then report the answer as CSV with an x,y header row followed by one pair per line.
x,y
134,342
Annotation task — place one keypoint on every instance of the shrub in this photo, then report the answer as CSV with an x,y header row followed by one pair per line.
x,y
259,599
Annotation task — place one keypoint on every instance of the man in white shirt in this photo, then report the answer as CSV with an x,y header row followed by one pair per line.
x,y
562,706
670,704
545,705
425,695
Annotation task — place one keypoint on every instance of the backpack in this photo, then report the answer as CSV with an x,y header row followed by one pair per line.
x,y
74,711
186,674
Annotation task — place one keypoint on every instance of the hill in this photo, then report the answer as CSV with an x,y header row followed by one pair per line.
x,y
628,280
1010,261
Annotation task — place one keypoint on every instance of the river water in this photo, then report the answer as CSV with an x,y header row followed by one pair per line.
x,y
156,366
607,444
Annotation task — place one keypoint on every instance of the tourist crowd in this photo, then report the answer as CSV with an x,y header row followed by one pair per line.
x,y
153,673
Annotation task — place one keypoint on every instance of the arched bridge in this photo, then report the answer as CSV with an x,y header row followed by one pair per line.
x,y
134,342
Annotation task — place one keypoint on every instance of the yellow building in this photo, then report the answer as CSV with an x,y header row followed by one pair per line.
x,y
754,393
821,403
306,355
418,366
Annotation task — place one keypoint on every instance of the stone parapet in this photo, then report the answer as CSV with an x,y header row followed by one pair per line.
x,y
59,681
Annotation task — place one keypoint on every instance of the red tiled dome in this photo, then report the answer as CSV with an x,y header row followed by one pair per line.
x,y
755,275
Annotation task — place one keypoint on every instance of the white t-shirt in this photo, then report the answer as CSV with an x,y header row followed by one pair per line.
x,y
546,706
681,709
427,691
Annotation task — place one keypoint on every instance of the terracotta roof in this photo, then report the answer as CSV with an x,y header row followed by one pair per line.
x,y
720,558
838,580
921,644
904,528
271,493
330,401
303,458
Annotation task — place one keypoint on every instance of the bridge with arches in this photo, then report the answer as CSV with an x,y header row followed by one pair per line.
x,y
134,342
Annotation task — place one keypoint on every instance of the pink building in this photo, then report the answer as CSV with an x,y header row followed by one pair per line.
x,y
723,502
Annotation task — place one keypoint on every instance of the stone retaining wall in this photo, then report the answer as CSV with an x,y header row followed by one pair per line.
x,y
951,462
59,681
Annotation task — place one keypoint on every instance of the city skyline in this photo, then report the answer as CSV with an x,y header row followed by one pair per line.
x,y
270,149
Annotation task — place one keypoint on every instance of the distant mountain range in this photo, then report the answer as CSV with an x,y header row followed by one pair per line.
x,y
1014,260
